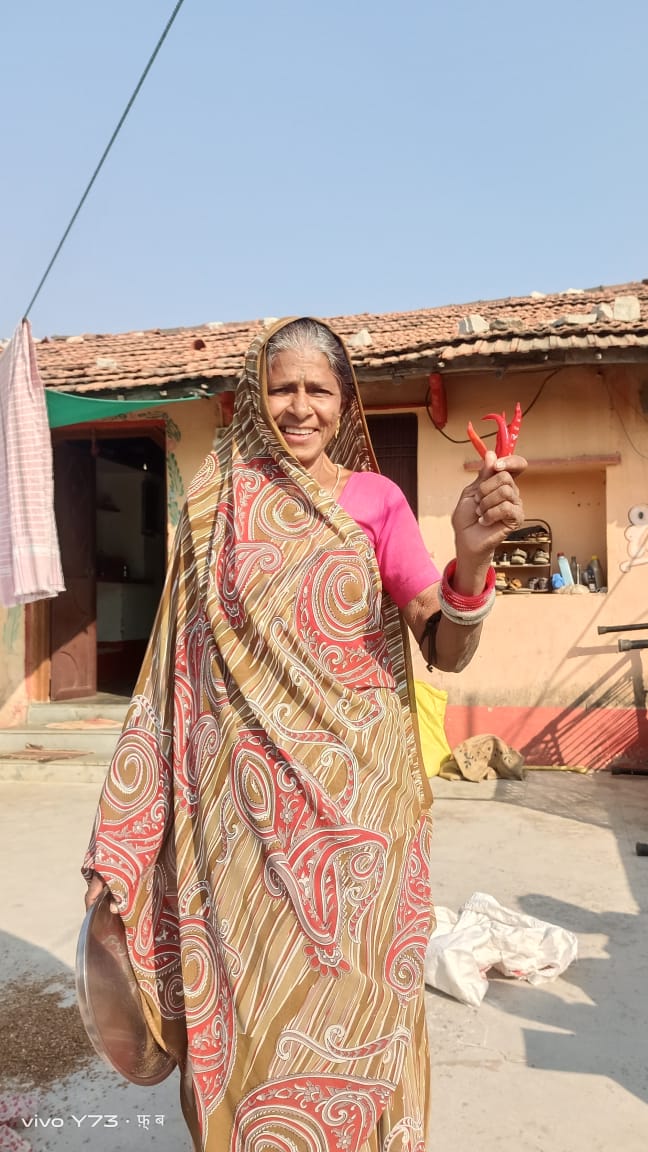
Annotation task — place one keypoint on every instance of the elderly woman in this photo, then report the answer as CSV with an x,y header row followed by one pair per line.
x,y
264,827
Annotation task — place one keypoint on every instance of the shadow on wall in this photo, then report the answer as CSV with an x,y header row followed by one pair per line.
x,y
607,721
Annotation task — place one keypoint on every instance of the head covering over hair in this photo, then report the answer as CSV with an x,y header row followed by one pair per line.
x,y
264,825
351,449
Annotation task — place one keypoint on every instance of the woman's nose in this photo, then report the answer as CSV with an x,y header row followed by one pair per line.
x,y
301,405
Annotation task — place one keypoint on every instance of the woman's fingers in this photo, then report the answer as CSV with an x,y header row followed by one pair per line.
x,y
507,514
95,888
499,501
490,507
514,465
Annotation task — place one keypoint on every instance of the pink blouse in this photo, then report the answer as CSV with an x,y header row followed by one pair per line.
x,y
379,507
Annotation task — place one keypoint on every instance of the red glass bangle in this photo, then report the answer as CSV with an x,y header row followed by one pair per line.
x,y
465,603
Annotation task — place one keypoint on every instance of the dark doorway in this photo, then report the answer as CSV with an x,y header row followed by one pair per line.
x,y
395,444
111,516
73,623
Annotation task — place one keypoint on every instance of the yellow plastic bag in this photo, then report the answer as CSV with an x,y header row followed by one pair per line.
x,y
431,706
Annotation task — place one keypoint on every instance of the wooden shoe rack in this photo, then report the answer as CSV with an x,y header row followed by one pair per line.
x,y
523,561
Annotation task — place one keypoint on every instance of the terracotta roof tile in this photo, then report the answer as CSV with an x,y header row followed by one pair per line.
x,y
210,356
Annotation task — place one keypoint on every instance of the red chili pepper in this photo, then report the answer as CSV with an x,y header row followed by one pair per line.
x,y
507,434
514,427
502,442
476,440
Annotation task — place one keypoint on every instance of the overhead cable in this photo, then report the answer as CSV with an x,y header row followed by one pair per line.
x,y
103,158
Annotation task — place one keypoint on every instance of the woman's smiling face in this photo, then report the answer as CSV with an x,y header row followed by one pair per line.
x,y
305,402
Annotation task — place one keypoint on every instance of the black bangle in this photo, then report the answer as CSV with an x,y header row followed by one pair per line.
x,y
429,634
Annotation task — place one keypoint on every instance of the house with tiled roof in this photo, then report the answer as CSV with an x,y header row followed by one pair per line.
x,y
133,415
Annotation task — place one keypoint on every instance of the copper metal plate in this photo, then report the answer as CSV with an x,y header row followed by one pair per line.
x,y
109,999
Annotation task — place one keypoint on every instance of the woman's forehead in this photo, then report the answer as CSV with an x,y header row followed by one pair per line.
x,y
296,365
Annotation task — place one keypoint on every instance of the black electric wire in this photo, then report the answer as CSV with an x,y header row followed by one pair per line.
x,y
103,158
487,435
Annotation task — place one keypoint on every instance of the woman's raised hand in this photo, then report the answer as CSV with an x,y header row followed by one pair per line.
x,y
489,508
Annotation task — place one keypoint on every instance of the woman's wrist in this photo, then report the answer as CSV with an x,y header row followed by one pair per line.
x,y
469,577
467,609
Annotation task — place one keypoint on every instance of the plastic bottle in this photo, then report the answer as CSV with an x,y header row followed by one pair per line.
x,y
565,570
597,571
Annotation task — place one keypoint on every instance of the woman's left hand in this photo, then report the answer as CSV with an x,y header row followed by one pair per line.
x,y
489,508
95,888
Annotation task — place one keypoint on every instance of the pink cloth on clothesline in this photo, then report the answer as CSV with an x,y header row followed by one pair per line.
x,y
30,562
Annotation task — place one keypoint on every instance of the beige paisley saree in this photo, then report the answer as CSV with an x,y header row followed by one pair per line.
x,y
264,825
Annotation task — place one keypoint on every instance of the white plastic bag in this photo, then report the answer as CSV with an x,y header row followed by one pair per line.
x,y
451,963
485,935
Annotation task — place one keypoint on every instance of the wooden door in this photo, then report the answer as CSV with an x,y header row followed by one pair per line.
x,y
73,625
395,442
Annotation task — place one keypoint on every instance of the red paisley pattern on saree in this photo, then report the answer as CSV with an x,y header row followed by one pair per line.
x,y
210,1007
405,957
306,839
313,1114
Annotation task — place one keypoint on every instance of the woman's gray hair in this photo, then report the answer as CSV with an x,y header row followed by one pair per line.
x,y
303,334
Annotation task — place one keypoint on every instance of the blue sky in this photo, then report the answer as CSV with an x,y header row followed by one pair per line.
x,y
334,158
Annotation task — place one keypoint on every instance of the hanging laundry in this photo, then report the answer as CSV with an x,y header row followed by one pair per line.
x,y
30,562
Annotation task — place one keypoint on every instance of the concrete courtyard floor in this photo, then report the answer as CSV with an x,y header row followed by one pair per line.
x,y
556,1068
